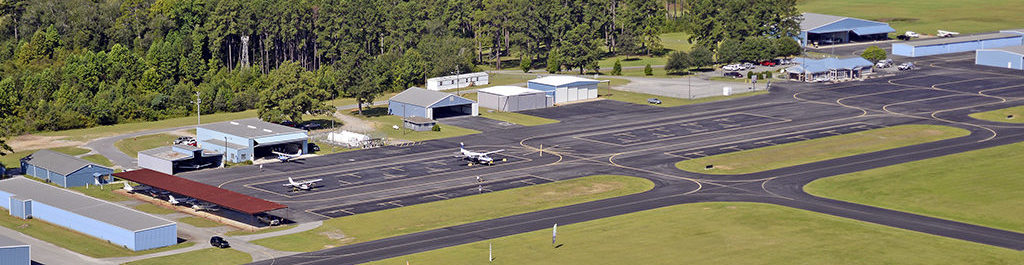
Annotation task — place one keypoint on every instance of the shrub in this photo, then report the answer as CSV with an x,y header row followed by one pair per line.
x,y
874,54
750,74
617,68
526,64
648,70
436,128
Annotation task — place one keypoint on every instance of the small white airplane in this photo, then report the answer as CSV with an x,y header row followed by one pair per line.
x,y
135,189
205,206
302,185
285,157
176,201
477,157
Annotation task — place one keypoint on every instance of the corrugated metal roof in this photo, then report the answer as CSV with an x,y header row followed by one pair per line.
x,y
421,97
251,128
814,20
561,80
939,41
57,162
879,29
824,65
418,120
222,143
224,198
453,77
1013,49
509,90
166,153
100,210
10,242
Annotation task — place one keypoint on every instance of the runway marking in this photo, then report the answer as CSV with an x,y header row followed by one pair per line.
x,y
982,92
801,135
630,131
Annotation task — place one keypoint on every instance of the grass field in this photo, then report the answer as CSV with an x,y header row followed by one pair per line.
x,y
927,16
721,233
821,149
106,193
110,130
261,231
198,221
675,41
422,217
641,98
981,187
12,160
153,209
132,146
74,241
1001,115
99,160
385,123
207,256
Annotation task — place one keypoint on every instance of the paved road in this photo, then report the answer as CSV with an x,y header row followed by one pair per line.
x,y
616,138
105,146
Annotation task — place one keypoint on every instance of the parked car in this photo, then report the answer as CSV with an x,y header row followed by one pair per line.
x,y
289,124
313,147
902,37
905,66
311,126
733,74
219,242
884,63
654,101
732,67
911,34
748,66
268,219
780,61
768,63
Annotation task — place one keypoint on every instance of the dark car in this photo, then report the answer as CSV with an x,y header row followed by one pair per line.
x,y
311,126
219,242
313,147
733,74
654,101
289,124
903,37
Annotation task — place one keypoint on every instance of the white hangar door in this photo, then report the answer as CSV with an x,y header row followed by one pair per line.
x,y
572,94
560,95
583,93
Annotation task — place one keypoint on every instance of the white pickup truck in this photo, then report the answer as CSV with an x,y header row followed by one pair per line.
x,y
912,34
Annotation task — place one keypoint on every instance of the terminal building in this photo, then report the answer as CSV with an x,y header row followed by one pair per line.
x,y
62,169
820,29
418,102
14,252
179,158
120,225
248,139
565,88
968,43
829,69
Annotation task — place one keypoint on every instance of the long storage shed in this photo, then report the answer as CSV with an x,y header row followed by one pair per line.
x,y
1005,57
957,44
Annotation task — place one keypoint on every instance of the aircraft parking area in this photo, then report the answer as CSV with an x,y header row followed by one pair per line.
x,y
682,128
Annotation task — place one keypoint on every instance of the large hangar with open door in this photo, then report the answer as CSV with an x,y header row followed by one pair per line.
x,y
511,98
418,102
248,139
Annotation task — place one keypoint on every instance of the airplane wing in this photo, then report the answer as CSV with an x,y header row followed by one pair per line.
x,y
286,154
311,181
495,151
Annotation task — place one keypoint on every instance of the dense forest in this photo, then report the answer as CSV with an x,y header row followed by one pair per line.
x,y
79,63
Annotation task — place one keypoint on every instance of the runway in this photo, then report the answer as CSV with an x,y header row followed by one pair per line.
x,y
608,137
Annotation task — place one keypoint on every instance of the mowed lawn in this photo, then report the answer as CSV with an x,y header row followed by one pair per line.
x,y
110,130
1007,115
641,98
423,217
981,187
208,256
132,146
821,149
386,122
13,160
720,233
927,16
72,240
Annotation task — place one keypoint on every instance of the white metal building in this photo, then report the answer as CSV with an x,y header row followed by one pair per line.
x,y
248,139
565,88
179,158
14,252
457,81
429,104
512,98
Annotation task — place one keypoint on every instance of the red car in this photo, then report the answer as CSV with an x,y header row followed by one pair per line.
x,y
768,63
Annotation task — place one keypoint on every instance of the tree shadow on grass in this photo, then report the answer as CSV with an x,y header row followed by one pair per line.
x,y
372,112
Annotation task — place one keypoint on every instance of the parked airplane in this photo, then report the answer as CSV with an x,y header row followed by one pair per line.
x,y
139,188
205,206
946,34
302,185
176,201
285,157
478,158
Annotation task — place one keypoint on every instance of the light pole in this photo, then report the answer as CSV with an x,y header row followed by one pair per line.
x,y
198,101
458,81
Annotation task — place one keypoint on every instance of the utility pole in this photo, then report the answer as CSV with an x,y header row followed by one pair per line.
x,y
198,101
458,81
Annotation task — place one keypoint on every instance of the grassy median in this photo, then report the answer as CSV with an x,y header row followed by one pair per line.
x,y
423,217
720,233
641,98
208,256
981,187
821,149
74,241
132,146
1007,115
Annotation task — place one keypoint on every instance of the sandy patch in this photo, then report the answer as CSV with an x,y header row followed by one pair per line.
x,y
33,142
353,124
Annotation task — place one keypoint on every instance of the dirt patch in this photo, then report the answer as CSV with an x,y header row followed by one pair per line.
x,y
187,132
353,124
34,142
593,188
896,19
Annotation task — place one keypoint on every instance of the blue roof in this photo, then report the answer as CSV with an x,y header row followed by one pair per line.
x,y
853,24
824,65
879,29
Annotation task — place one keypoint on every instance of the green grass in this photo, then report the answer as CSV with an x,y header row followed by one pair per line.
x,y
12,160
74,241
260,231
199,221
422,217
99,160
1000,115
512,117
153,209
721,233
110,130
927,16
641,98
132,146
106,193
208,256
675,41
821,149
981,187
385,121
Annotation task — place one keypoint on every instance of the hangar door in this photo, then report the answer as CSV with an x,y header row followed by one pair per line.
x,y
452,106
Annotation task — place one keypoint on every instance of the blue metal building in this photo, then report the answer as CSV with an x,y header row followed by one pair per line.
x,y
13,252
418,102
1011,57
828,29
563,88
107,221
957,44
829,69
63,169
248,139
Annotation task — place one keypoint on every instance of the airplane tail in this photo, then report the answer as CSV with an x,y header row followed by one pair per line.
x,y
127,187
290,181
